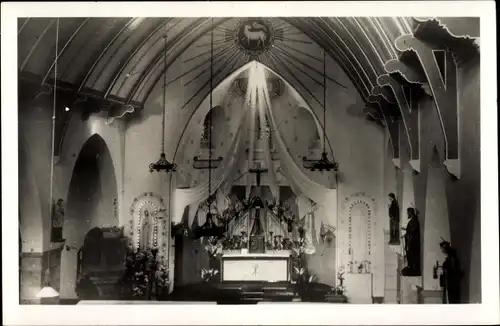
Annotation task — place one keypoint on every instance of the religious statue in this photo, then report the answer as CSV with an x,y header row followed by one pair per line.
x,y
412,244
57,221
452,274
394,219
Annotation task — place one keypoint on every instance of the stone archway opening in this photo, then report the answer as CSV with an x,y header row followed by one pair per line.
x,y
90,203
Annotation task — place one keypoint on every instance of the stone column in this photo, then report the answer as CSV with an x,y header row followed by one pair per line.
x,y
436,226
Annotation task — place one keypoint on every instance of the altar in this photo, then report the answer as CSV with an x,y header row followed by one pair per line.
x,y
257,277
262,267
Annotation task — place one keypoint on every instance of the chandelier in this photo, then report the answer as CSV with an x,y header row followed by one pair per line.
x,y
163,164
323,164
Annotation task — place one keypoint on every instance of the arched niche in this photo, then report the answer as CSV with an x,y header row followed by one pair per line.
x,y
215,123
436,224
91,201
360,210
148,225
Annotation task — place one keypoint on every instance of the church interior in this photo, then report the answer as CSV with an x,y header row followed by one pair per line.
x,y
248,160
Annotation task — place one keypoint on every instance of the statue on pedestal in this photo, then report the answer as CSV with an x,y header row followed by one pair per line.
x,y
393,219
452,274
57,221
412,245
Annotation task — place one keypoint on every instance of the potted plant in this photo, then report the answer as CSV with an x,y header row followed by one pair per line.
x,y
302,278
304,284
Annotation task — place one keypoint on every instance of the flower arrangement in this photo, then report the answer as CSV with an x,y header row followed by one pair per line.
x,y
361,267
299,249
213,247
162,277
207,274
143,270
235,242
339,289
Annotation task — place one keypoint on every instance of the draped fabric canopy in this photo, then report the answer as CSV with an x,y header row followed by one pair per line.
x,y
225,172
223,177
301,183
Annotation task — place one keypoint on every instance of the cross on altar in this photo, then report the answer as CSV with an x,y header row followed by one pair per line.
x,y
258,171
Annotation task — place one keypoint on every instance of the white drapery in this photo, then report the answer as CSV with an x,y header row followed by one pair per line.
x,y
258,99
301,183
225,172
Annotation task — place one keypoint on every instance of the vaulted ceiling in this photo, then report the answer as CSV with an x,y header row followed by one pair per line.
x,y
122,59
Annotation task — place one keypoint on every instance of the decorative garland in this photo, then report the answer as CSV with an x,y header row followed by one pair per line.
x,y
156,205
355,201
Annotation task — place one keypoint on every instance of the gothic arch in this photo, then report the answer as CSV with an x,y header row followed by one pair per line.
x,y
77,136
360,209
91,199
216,116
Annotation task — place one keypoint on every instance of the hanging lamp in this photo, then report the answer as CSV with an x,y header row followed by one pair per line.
x,y
48,294
323,164
162,164
209,228
210,163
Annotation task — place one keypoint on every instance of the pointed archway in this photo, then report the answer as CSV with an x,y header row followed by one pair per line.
x,y
90,203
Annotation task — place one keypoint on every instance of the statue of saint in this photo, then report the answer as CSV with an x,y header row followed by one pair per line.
x,y
412,244
57,221
393,219
452,274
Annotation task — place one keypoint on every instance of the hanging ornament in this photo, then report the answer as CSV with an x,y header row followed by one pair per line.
x,y
162,164
323,164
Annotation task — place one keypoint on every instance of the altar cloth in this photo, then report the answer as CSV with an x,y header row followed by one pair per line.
x,y
264,267
283,254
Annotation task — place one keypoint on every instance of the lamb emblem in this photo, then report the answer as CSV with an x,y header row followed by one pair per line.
x,y
254,36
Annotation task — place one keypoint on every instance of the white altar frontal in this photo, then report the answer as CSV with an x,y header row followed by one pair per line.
x,y
256,267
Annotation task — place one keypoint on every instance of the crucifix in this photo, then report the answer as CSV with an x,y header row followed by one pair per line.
x,y
258,171
256,235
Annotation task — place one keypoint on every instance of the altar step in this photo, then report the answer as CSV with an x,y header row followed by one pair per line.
x,y
267,295
252,295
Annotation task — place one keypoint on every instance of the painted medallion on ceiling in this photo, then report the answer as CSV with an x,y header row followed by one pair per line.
x,y
254,36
